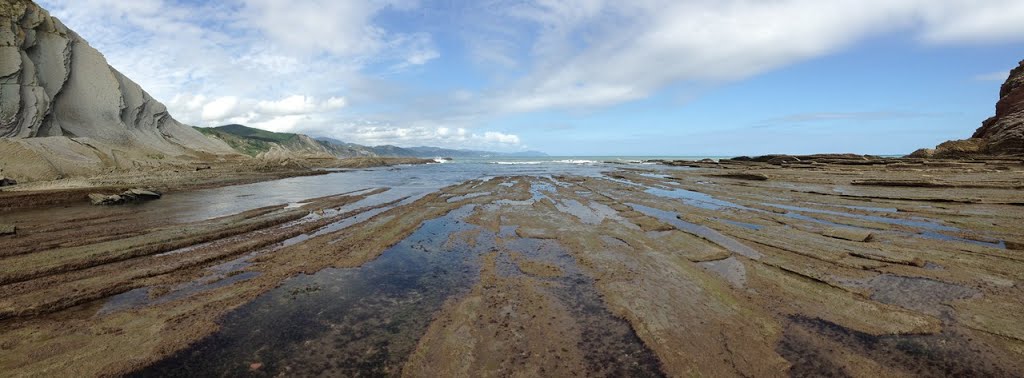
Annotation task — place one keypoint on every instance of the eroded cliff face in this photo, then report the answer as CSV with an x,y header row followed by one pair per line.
x,y
58,94
1000,135
1004,133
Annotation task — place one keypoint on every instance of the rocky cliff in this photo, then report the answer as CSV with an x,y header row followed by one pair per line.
x,y
1002,134
64,111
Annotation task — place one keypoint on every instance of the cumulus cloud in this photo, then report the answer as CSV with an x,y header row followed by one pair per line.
x,y
372,133
284,114
220,61
592,53
316,64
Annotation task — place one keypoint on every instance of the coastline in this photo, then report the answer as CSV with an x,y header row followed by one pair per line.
x,y
764,262
180,178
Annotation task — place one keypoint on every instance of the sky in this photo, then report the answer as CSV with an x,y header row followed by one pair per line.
x,y
572,77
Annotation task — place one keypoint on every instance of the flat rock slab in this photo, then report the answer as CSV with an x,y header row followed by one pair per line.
x,y
745,176
845,233
903,183
8,229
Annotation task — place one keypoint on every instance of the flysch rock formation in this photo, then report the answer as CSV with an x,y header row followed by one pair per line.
x,y
1000,135
65,112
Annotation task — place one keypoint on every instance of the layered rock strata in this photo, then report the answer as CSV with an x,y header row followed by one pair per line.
x,y
1000,135
65,111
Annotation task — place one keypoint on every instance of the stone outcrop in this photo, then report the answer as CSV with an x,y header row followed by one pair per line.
x,y
65,111
1002,134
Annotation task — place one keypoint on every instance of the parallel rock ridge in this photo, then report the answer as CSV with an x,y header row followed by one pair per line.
x,y
1002,134
53,84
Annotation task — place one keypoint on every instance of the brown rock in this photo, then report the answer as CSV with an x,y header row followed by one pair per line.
x,y
961,148
922,153
745,176
847,233
902,183
1002,134
779,160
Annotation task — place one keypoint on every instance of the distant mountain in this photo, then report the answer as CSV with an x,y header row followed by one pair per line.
x,y
262,143
429,152
435,151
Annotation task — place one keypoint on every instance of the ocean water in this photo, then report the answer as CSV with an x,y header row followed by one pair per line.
x,y
538,160
403,181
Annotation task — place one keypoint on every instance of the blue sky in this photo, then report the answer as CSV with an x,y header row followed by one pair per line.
x,y
572,77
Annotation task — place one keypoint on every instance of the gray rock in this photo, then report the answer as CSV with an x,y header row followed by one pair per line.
x,y
53,83
4,181
131,195
8,229
779,160
97,199
144,194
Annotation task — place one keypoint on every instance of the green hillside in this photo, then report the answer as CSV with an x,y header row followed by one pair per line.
x,y
251,141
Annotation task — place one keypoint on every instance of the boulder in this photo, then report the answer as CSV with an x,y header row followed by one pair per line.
x,y
144,194
961,148
131,195
922,153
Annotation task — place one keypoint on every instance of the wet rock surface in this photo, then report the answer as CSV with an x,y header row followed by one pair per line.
x,y
629,272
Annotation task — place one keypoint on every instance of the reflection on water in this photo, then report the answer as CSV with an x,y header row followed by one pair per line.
x,y
340,322
404,181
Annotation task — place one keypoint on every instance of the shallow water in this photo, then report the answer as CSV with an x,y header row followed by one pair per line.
x,y
413,180
610,346
340,322
367,320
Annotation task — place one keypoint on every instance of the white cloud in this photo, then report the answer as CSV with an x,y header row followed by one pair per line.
x,y
371,133
220,108
993,76
592,53
236,60
316,64
496,137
